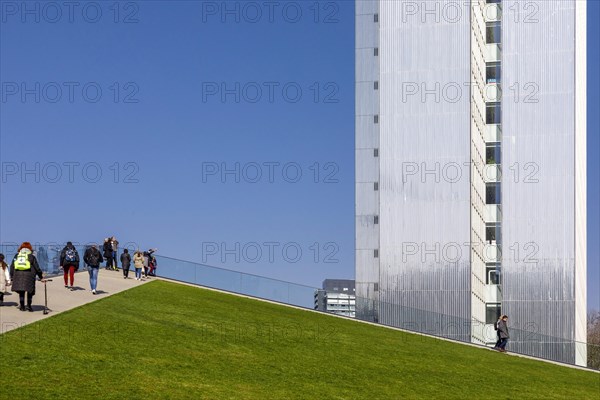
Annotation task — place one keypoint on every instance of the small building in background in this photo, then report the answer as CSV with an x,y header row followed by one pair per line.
x,y
337,297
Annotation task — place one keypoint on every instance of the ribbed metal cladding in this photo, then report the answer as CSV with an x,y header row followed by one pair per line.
x,y
366,161
538,187
424,218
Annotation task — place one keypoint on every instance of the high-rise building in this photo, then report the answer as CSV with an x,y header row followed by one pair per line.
x,y
471,170
337,297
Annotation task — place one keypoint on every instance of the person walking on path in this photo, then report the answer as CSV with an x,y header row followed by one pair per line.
x,y
69,262
4,278
503,333
114,243
23,271
138,263
107,252
93,258
125,263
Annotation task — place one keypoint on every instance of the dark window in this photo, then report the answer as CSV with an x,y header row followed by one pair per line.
x,y
493,72
376,186
376,85
492,232
493,32
376,253
493,1
376,119
376,51
492,153
492,113
492,312
375,152
492,275
376,219
376,18
492,193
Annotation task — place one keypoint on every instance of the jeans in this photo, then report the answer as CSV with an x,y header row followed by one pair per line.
x,y
138,273
114,256
93,276
503,343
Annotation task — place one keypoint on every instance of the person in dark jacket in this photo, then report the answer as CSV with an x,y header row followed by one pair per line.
x,y
23,271
108,253
93,259
125,263
69,262
503,333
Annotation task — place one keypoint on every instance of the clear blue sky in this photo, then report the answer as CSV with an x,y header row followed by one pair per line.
x,y
162,123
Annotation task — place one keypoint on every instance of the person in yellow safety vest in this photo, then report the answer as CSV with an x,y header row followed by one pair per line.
x,y
23,271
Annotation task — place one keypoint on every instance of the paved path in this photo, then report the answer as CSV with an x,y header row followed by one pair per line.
x,y
61,299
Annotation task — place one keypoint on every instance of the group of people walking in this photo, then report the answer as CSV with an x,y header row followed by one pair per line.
x,y
24,269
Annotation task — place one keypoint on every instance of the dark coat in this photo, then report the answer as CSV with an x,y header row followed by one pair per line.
x,y
87,257
503,330
25,280
63,256
126,260
107,249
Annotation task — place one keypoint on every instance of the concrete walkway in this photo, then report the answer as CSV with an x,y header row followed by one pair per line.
x,y
61,299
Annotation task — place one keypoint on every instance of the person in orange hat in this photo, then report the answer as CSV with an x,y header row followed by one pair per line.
x,y
23,271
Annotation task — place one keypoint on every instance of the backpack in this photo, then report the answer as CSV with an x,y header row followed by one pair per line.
x,y
22,262
93,258
71,255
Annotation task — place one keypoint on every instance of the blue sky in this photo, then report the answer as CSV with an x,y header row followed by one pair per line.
x,y
142,106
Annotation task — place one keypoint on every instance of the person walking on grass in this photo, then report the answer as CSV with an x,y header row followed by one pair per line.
x,y
93,258
69,262
23,271
125,263
4,278
107,252
138,263
503,333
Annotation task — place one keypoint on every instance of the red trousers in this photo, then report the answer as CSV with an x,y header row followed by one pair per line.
x,y
69,271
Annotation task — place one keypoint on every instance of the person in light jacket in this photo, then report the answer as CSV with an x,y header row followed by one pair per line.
x,y
4,278
138,263
503,333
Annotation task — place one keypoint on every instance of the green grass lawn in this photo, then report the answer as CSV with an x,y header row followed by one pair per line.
x,y
168,341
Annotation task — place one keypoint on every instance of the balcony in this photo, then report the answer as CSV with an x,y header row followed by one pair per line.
x,y
493,52
492,173
492,12
493,213
492,92
493,133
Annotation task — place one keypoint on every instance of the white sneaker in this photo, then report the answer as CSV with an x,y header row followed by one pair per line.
x,y
93,292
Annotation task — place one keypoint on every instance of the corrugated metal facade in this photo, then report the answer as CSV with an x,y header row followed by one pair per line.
x,y
538,189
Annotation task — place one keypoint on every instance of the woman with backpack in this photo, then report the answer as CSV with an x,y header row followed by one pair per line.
x,y
69,262
23,271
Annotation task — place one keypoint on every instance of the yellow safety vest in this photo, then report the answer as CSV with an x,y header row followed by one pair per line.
x,y
22,262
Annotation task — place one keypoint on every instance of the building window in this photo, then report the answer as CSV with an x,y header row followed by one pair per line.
x,y
493,32
492,193
492,232
376,219
493,72
376,253
376,85
376,51
376,119
493,1
375,186
492,275
492,153
492,113
375,152
492,312
375,17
